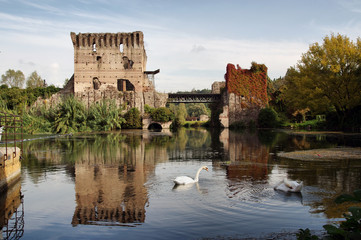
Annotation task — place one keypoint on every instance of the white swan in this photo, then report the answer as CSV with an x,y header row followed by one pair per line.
x,y
289,186
181,180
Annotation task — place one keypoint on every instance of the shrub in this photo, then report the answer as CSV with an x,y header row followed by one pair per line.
x,y
132,119
162,114
267,118
148,109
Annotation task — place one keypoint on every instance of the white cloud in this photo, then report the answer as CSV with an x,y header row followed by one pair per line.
x,y
197,48
185,68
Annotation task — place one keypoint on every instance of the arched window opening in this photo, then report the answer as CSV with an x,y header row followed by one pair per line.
x,y
127,63
96,83
94,47
121,48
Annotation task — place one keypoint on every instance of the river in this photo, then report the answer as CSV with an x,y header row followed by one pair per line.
x,y
118,185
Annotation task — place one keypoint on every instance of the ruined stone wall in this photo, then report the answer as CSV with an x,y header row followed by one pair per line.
x,y
246,94
217,87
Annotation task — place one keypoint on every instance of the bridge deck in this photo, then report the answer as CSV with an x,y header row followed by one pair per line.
x,y
193,97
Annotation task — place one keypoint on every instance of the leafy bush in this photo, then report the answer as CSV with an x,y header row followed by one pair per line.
x,y
148,109
162,114
267,118
132,119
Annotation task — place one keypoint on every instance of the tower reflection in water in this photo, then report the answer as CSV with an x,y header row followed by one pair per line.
x,y
12,212
109,182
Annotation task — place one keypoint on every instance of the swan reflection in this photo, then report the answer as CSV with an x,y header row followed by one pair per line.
x,y
188,187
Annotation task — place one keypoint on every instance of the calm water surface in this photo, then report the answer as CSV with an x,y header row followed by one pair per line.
x,y
119,185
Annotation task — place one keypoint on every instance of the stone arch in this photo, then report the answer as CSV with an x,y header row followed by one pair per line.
x,y
155,126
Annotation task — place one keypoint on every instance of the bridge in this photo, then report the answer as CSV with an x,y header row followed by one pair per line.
x,y
193,97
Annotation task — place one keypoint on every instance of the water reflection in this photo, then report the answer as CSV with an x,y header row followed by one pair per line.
x,y
247,157
125,178
187,187
12,212
110,178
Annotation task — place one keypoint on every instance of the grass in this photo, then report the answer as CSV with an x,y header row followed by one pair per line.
x,y
310,124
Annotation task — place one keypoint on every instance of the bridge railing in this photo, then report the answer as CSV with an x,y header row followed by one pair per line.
x,y
11,133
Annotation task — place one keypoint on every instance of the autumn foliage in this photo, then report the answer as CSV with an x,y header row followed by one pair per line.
x,y
249,83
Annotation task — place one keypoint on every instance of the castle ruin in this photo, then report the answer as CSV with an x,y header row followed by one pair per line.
x,y
113,66
244,95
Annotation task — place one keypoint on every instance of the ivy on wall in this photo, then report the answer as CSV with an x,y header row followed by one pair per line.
x,y
249,83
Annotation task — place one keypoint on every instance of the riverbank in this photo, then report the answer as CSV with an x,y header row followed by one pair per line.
x,y
324,154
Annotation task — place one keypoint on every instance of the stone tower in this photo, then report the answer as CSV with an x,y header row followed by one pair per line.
x,y
113,66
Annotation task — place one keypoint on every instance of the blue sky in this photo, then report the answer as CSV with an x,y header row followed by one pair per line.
x,y
190,41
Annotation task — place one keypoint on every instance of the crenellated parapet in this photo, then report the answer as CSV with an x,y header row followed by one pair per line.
x,y
107,40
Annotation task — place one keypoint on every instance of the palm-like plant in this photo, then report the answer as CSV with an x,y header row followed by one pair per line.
x,y
70,117
105,116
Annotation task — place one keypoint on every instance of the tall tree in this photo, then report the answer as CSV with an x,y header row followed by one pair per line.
x,y
327,77
13,78
182,113
34,81
197,109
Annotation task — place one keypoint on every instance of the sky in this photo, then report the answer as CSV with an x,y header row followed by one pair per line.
x,y
190,41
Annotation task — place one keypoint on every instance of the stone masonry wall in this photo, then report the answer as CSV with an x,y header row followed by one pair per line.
x,y
246,94
110,66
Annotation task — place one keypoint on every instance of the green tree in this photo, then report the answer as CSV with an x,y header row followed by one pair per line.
x,y
197,109
14,97
13,78
327,78
182,113
276,89
34,80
